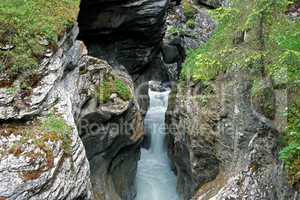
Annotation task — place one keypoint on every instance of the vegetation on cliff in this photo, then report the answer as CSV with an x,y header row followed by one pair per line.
x,y
28,29
262,37
37,141
111,85
256,34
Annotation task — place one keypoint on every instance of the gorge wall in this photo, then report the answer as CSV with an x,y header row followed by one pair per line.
x,y
223,141
94,97
77,134
222,147
42,155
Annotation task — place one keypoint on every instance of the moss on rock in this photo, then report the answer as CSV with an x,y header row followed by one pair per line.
x,y
113,84
28,29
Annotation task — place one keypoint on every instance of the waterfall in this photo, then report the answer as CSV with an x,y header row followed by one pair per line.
x,y
155,180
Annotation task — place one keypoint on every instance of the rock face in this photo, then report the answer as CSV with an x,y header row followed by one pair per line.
x,y
190,139
111,133
32,168
38,163
180,37
221,147
128,32
213,3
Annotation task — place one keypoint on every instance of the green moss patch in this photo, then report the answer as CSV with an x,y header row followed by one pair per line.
x,y
191,23
28,27
110,85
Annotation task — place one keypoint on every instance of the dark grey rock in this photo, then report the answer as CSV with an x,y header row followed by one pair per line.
x,y
211,3
111,133
170,54
131,31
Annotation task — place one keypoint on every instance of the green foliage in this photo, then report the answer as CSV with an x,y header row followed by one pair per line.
x,y
263,38
176,31
290,154
111,85
55,125
122,90
206,62
189,10
24,23
105,90
191,23
260,36
11,90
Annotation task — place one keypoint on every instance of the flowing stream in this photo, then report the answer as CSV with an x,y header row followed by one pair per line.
x,y
155,180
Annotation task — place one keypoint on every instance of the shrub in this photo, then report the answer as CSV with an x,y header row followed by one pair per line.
x,y
290,154
266,42
246,47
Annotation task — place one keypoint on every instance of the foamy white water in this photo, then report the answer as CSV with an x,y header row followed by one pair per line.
x,y
155,180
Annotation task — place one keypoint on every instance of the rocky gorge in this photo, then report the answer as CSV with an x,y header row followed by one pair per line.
x,y
77,133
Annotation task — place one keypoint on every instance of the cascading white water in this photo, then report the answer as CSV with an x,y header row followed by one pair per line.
x,y
155,180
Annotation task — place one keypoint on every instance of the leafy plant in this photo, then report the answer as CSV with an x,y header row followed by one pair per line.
x,y
290,154
264,36
266,42
105,90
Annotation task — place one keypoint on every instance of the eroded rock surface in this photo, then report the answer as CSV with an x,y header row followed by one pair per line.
x,y
221,147
128,32
38,167
111,131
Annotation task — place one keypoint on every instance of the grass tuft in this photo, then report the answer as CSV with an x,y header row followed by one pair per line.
x,y
111,85
24,24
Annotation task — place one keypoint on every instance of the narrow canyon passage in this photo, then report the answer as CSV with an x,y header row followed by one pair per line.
x,y
155,180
